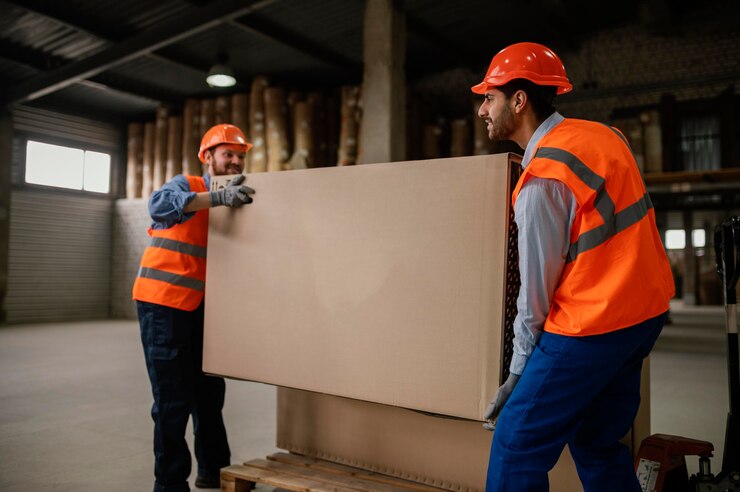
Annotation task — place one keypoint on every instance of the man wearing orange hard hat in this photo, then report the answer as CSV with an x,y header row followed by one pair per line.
x,y
169,292
595,284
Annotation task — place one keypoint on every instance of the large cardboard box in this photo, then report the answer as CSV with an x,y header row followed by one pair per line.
x,y
395,284
383,282
447,453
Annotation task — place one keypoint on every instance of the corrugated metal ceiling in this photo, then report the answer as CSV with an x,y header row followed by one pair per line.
x,y
124,58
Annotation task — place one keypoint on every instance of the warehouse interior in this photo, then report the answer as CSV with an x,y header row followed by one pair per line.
x,y
318,84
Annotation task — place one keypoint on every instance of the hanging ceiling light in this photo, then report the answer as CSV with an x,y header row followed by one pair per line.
x,y
220,75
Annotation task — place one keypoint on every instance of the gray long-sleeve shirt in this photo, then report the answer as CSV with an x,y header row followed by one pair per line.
x,y
544,213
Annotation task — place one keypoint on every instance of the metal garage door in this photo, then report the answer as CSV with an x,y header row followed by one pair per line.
x,y
60,242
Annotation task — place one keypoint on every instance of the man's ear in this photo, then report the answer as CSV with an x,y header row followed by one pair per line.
x,y
208,165
519,100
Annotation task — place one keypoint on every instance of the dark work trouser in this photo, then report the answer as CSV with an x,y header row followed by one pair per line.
x,y
579,391
173,349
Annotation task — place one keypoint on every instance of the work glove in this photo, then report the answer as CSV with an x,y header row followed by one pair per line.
x,y
499,400
232,195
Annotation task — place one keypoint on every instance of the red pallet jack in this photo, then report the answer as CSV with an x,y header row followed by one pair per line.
x,y
660,462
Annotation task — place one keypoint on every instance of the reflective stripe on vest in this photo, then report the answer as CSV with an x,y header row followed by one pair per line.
x,y
173,267
172,278
178,246
613,223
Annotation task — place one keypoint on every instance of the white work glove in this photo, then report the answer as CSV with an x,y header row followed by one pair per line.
x,y
499,400
233,195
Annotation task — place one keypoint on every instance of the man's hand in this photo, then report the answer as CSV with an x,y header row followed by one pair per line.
x,y
499,400
233,195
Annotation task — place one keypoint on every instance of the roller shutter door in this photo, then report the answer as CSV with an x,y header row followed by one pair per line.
x,y
60,242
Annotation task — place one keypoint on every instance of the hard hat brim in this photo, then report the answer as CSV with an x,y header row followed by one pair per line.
x,y
480,88
563,87
235,145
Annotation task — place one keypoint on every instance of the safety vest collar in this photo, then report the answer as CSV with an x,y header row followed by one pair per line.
x,y
545,127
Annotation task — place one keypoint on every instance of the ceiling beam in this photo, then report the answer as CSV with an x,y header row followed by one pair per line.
x,y
297,42
135,88
91,27
29,57
74,19
173,57
109,32
23,55
179,27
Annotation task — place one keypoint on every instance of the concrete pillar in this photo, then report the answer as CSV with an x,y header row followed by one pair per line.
x,y
383,127
6,155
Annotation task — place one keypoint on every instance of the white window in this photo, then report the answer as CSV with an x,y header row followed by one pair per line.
x,y
698,238
67,167
676,238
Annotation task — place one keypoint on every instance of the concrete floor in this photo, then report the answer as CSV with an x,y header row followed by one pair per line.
x,y
75,399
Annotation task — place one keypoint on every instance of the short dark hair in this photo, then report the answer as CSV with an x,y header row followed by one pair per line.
x,y
540,96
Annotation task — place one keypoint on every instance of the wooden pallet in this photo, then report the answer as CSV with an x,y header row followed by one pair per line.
x,y
300,473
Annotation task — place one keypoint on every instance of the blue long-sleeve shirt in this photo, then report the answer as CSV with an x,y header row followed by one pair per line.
x,y
544,212
167,204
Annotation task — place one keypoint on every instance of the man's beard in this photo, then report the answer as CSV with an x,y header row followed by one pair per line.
x,y
226,169
503,126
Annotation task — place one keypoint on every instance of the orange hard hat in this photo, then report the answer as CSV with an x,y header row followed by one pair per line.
x,y
220,134
530,61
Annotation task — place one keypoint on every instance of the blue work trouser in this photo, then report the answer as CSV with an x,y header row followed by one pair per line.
x,y
579,391
173,349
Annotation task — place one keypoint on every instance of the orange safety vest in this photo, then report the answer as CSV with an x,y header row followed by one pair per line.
x,y
173,267
616,273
